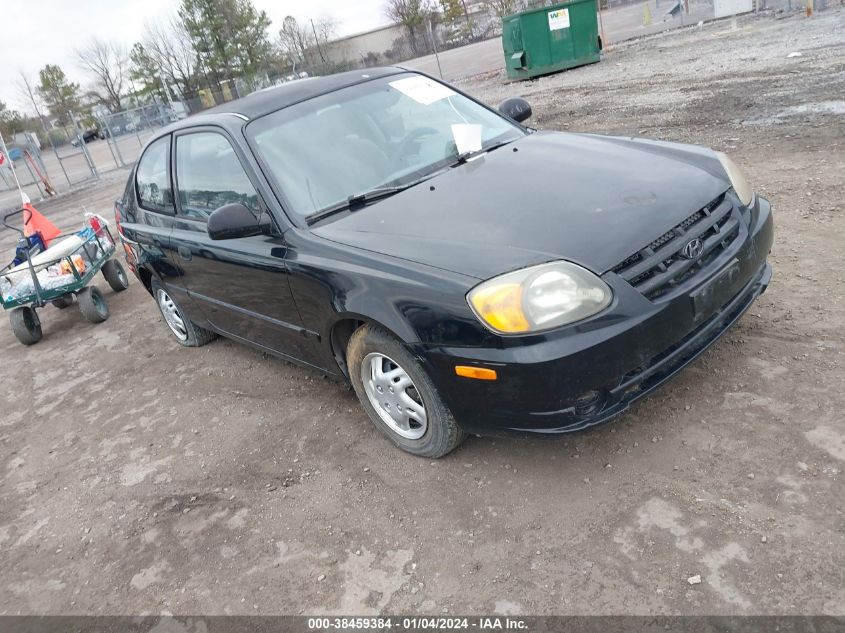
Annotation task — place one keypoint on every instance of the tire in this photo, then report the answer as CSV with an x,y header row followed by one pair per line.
x,y
185,331
439,434
26,325
92,304
63,302
115,275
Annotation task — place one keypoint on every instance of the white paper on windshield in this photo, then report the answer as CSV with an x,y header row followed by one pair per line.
x,y
467,137
422,89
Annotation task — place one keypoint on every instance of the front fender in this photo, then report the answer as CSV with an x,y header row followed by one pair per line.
x,y
420,305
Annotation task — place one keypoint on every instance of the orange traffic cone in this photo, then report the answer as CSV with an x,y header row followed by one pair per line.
x,y
34,222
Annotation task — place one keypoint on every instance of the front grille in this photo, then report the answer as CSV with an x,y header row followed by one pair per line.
x,y
663,363
659,267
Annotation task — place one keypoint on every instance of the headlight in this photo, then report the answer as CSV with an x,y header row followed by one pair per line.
x,y
539,298
738,181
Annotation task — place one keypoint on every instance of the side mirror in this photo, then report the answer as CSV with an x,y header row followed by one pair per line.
x,y
516,108
235,220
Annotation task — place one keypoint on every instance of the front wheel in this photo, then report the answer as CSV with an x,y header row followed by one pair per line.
x,y
26,325
398,395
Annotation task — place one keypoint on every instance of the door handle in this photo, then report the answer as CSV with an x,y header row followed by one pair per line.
x,y
184,252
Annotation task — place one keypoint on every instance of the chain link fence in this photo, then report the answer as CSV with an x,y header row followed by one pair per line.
x,y
60,158
46,161
127,131
55,158
628,19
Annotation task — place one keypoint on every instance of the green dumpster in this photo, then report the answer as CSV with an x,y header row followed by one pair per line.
x,y
541,41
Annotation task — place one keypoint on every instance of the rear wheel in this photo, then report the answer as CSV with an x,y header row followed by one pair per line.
x,y
186,331
26,325
92,304
115,275
398,395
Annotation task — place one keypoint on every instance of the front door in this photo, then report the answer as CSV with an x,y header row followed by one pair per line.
x,y
241,284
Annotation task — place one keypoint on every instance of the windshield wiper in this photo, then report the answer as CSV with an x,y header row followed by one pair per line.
x,y
355,202
358,201
462,158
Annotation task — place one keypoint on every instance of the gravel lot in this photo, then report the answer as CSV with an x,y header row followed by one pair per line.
x,y
141,477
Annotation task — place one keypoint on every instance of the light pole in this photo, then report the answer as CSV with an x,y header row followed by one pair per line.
x,y
434,46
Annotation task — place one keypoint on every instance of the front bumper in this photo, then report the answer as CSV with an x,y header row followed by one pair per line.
x,y
585,374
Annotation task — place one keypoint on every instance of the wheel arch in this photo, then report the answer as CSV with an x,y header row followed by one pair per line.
x,y
341,332
146,278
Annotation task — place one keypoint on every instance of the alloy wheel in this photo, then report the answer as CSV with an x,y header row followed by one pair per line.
x,y
171,315
394,396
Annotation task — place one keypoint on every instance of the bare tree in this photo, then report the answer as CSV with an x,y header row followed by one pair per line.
x,y
325,29
295,39
412,14
109,63
169,47
501,8
29,92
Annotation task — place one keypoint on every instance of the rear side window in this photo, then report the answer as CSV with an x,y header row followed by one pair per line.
x,y
209,176
152,178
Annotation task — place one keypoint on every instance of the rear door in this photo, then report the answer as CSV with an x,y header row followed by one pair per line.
x,y
241,284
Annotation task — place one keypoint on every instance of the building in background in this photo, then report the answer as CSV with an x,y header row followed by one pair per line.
x,y
365,48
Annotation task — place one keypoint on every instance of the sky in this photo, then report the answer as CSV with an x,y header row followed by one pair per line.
x,y
40,32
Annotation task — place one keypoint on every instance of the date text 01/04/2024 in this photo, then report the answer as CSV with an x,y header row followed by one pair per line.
x,y
416,623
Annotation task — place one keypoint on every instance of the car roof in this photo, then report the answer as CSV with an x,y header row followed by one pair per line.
x,y
269,100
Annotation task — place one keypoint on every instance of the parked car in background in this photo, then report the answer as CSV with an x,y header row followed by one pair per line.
x,y
91,134
465,273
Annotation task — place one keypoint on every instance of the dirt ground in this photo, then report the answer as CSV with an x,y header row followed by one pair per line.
x,y
140,477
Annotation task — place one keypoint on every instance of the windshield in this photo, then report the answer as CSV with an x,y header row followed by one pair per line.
x,y
381,133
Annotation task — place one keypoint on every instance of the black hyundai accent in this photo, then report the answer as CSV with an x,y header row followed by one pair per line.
x,y
465,273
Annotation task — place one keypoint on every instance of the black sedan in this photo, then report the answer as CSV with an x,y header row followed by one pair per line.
x,y
465,273
91,134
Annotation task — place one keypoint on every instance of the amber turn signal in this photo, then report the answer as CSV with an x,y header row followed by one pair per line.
x,y
479,373
500,306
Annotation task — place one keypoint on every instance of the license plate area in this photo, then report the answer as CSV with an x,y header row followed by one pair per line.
x,y
717,292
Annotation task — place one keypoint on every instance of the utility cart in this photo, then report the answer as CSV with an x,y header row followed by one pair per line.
x,y
59,275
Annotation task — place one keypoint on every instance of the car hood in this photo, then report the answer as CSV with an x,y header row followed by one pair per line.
x,y
592,200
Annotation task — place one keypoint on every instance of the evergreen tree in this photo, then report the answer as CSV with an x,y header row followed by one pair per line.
x,y
145,70
228,36
60,95
10,121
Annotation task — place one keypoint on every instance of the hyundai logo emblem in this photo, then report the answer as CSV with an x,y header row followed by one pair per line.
x,y
693,249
